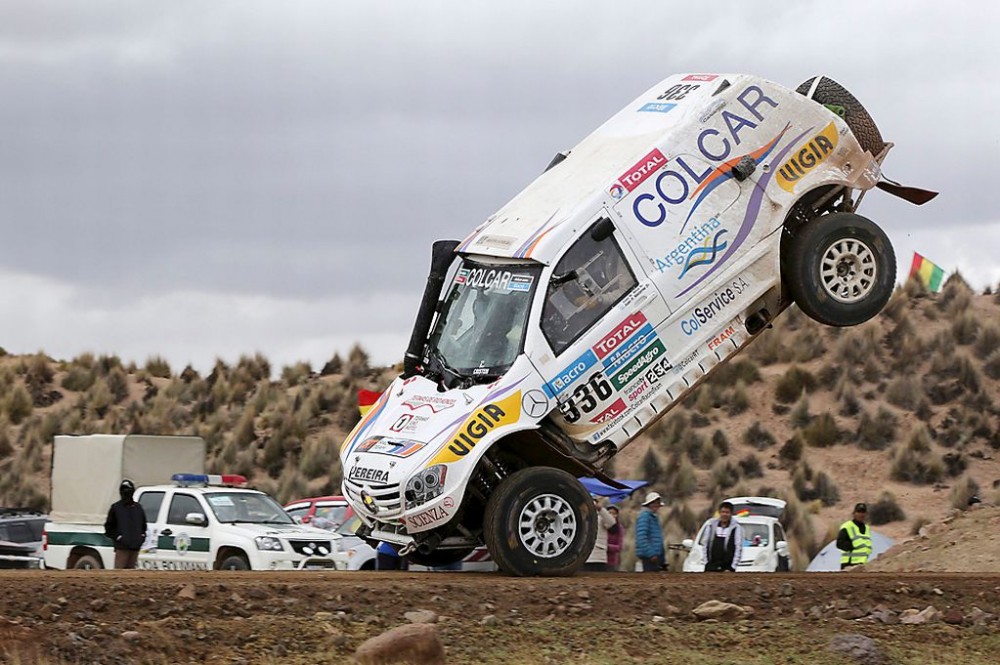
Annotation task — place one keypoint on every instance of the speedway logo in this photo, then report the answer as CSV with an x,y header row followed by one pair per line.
x,y
636,175
568,376
808,158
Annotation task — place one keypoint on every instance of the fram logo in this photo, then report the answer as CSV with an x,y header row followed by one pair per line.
x,y
641,170
622,332
570,374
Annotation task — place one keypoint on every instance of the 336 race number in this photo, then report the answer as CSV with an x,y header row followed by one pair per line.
x,y
586,397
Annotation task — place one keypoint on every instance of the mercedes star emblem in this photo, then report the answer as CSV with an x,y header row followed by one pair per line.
x,y
535,403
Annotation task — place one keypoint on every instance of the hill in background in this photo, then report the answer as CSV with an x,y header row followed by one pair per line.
x,y
900,412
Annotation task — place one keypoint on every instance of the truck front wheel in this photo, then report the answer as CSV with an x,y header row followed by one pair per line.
x,y
235,562
540,521
87,562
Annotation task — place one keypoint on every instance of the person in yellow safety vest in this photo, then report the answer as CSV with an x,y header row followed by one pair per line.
x,y
855,539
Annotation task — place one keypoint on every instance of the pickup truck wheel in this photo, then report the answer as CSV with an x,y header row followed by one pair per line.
x,y
840,269
235,562
540,521
439,557
87,562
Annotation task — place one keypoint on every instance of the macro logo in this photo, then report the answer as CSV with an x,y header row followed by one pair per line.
x,y
705,255
568,376
808,158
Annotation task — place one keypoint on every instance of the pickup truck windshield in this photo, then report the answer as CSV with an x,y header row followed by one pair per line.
x,y
248,508
481,328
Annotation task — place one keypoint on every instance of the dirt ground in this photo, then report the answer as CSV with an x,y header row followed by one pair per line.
x,y
322,617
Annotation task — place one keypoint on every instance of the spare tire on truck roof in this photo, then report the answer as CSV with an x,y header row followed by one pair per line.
x,y
835,97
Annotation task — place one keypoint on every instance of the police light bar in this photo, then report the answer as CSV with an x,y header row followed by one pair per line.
x,y
223,480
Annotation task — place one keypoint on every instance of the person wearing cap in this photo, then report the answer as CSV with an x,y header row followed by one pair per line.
x,y
126,526
648,535
854,540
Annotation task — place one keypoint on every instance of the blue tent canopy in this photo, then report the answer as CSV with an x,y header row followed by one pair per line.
x,y
597,488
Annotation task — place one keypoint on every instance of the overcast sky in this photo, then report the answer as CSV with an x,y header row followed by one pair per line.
x,y
208,179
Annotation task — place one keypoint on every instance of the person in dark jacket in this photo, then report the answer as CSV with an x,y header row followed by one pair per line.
x,y
724,541
126,526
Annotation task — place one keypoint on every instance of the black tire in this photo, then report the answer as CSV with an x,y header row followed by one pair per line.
x,y
540,521
439,557
235,562
840,269
88,562
830,93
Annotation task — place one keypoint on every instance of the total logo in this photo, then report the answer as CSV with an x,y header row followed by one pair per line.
x,y
638,173
617,192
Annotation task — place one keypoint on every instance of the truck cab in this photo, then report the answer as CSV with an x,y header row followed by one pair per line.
x,y
599,297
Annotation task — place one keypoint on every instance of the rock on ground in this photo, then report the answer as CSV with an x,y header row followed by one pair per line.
x,y
416,643
859,648
716,609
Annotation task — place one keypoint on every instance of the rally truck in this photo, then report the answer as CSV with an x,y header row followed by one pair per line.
x,y
195,521
604,293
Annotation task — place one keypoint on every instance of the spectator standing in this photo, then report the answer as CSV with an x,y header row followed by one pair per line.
x,y
615,534
724,545
854,540
649,536
598,559
387,558
126,526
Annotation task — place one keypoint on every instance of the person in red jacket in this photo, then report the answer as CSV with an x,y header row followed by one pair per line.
x,y
615,537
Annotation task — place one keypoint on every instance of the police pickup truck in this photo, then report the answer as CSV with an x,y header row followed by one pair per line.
x,y
200,522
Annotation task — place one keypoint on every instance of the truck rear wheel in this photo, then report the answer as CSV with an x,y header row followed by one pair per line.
x,y
540,521
87,562
235,562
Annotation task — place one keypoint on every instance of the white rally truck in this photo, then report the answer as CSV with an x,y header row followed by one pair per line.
x,y
195,521
602,294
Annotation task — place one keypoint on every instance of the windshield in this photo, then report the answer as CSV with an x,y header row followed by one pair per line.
x,y
481,328
246,507
350,527
755,535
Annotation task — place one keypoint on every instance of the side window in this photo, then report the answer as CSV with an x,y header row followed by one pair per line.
x,y
37,528
587,282
20,533
298,513
180,506
779,533
150,502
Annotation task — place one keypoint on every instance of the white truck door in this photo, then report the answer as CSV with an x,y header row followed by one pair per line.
x,y
182,544
152,503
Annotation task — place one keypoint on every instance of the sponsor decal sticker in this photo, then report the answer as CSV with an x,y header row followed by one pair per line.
x,y
432,402
639,171
634,368
658,371
716,341
483,420
367,474
521,282
714,306
812,154
621,332
700,77
704,255
656,107
616,409
394,447
638,390
615,361
569,375
428,517
695,240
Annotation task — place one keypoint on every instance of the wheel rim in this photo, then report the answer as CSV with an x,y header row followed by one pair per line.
x,y
547,525
848,270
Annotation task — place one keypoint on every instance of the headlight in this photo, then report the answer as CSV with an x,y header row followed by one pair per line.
x,y
425,485
268,543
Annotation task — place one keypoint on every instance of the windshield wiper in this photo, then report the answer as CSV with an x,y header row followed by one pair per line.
x,y
446,372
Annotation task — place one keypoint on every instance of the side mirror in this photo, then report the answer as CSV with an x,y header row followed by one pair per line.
x,y
196,519
602,230
781,547
687,543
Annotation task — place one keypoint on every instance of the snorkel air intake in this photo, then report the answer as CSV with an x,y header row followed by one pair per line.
x,y
442,254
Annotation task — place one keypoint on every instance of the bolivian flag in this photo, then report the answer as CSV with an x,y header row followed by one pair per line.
x,y
366,399
930,274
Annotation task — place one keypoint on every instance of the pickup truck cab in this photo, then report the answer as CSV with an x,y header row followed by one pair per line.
x,y
604,293
201,522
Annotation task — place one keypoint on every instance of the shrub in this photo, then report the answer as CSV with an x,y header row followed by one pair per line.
x,y
988,340
758,437
157,366
955,464
822,431
768,348
964,328
800,413
812,486
681,479
850,405
918,524
725,474
858,345
18,404
876,433
962,492
956,296
79,378
992,365
291,484
750,466
911,466
295,374
920,440
791,451
721,442
739,400
904,392
256,367
885,510
793,383
118,384
808,345
650,468
733,372
334,365
357,362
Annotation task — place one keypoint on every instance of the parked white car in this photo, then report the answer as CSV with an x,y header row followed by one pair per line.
x,y
765,546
